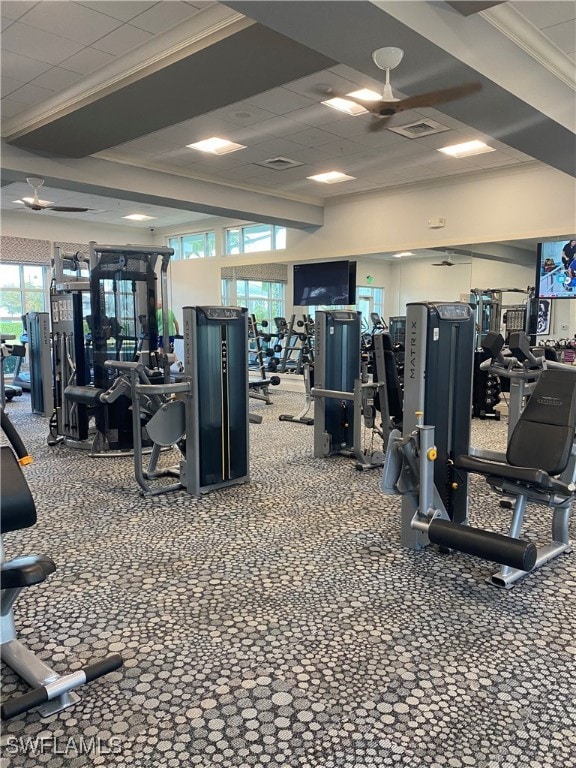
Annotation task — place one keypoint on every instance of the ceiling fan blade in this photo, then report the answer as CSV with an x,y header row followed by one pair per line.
x,y
436,97
65,209
378,122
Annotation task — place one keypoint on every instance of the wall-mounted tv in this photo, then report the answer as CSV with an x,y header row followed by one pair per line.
x,y
325,283
556,269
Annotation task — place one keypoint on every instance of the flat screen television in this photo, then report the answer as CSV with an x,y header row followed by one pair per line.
x,y
325,283
556,269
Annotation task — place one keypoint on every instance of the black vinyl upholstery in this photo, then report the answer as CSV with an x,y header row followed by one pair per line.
x,y
544,433
542,439
18,508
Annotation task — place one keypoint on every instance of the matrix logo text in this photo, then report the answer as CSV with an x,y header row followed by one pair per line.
x,y
73,746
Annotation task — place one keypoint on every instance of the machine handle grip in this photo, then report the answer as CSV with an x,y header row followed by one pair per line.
x,y
103,667
20,704
505,550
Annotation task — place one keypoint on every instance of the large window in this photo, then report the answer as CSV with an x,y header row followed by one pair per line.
x,y
254,238
197,245
265,300
22,289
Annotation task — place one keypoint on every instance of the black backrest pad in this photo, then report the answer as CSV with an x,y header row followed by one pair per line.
x,y
18,509
544,434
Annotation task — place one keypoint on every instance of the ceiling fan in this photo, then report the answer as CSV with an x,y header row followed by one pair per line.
x,y
447,262
35,204
389,105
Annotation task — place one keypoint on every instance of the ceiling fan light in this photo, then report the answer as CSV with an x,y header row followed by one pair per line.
x,y
388,57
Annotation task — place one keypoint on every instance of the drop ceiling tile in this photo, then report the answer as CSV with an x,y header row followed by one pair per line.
x,y
163,16
124,10
70,20
274,147
9,84
312,137
309,155
10,108
56,79
547,13
31,94
244,114
279,101
86,61
347,126
563,35
276,127
38,44
121,40
319,84
317,115
14,9
342,148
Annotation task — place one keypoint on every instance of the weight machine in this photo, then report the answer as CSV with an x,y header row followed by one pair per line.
x,y
204,415
104,308
341,398
429,464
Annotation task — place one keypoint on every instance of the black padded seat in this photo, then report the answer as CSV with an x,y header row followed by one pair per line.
x,y
18,508
543,438
528,476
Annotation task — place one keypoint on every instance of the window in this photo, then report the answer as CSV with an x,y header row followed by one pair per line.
x,y
22,290
254,238
196,245
265,300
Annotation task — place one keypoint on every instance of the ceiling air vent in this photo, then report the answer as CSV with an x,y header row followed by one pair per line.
x,y
279,163
420,128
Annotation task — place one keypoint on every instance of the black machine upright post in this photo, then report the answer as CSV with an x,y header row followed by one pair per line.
x,y
216,362
337,367
438,392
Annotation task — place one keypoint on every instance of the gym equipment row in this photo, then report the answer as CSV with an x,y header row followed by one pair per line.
x,y
428,465
344,400
50,691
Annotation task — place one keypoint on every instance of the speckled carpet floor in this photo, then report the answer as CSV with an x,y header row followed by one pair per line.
x,y
281,625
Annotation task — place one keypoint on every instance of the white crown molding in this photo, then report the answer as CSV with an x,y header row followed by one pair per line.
x,y
532,41
202,30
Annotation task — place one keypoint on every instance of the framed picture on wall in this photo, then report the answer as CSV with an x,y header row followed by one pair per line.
x,y
544,312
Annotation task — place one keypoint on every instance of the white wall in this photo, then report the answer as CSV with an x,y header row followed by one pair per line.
x,y
45,227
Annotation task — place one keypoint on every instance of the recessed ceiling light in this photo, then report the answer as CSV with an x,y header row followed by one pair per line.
x,y
403,253
332,177
366,94
216,146
139,217
344,105
466,149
